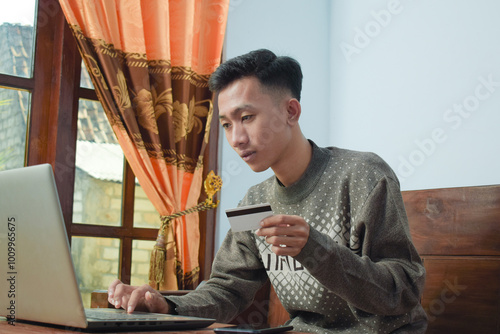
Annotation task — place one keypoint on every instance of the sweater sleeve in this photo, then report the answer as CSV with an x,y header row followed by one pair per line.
x,y
387,278
237,274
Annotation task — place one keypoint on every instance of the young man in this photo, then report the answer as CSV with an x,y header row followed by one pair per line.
x,y
338,250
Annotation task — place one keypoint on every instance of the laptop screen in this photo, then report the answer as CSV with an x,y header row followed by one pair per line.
x,y
38,272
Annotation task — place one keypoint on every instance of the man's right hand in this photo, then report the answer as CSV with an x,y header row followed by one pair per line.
x,y
141,298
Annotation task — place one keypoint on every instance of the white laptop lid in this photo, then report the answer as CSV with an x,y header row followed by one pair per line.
x,y
38,271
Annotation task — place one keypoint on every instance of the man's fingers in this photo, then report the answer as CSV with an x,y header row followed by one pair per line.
x,y
288,241
119,302
114,293
136,296
112,287
149,302
283,232
285,251
276,231
282,225
148,296
277,220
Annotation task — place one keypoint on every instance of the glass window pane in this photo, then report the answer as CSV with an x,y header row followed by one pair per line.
x,y
141,253
96,263
14,114
99,169
17,37
145,214
93,124
85,81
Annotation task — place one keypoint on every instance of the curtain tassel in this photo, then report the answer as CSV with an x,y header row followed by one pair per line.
x,y
158,258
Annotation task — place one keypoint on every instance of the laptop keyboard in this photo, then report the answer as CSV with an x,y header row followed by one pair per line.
x,y
113,314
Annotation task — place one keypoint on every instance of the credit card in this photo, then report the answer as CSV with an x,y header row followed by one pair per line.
x,y
245,218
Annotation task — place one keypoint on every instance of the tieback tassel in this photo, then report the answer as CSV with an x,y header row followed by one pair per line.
x,y
157,261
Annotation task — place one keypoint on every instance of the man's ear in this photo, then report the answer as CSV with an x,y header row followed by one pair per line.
x,y
293,110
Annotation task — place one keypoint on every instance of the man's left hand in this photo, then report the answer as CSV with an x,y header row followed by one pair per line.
x,y
287,234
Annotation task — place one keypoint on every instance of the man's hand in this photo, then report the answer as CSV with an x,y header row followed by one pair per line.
x,y
286,234
141,298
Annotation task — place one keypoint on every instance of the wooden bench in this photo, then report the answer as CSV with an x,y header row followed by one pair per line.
x,y
457,233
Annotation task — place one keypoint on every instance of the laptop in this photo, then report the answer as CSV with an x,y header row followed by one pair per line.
x,y
37,278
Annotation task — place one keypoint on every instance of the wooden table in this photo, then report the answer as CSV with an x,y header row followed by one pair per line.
x,y
24,328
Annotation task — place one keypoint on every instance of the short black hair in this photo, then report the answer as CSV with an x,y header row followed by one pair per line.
x,y
276,73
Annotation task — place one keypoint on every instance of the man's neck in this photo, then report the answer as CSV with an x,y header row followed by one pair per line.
x,y
295,163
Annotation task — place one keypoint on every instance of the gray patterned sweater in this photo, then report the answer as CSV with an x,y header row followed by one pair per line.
x,y
358,272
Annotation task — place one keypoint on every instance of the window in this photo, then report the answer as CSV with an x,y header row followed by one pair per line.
x,y
111,224
16,80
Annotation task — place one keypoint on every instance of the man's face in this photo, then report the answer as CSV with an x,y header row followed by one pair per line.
x,y
255,123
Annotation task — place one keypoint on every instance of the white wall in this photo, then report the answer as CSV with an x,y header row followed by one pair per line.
x,y
398,86
387,77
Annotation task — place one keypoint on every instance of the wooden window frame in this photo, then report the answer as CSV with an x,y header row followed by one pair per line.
x,y
52,134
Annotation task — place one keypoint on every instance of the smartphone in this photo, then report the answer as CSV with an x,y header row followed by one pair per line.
x,y
251,329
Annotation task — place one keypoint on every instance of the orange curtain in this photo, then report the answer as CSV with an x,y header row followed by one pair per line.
x,y
150,61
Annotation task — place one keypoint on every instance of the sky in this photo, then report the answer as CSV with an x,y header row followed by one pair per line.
x,y
17,11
